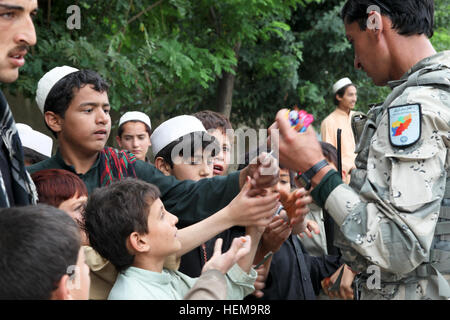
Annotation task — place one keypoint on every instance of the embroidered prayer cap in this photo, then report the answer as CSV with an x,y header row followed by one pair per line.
x,y
35,140
340,84
48,81
135,116
172,129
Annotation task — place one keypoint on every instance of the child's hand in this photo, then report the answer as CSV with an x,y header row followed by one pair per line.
x,y
275,234
224,261
246,210
263,174
345,289
260,282
296,204
311,226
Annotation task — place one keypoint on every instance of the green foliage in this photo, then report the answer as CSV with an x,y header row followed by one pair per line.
x,y
166,57
441,38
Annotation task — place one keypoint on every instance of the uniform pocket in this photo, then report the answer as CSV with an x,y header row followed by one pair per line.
x,y
418,177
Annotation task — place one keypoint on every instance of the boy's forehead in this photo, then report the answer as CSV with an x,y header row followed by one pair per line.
x,y
198,153
221,134
88,94
134,126
156,206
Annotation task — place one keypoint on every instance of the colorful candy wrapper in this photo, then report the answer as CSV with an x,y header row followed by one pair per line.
x,y
300,120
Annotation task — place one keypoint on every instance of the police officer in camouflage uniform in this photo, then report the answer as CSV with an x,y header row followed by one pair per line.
x,y
394,216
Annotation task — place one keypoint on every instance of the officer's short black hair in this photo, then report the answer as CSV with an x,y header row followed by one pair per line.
x,y
38,244
409,17
113,213
62,93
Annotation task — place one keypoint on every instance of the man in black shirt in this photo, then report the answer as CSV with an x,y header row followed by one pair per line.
x,y
17,34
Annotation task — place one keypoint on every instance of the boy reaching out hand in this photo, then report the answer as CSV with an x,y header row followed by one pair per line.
x,y
128,225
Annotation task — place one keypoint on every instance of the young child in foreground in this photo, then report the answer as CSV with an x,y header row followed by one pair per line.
x,y
128,225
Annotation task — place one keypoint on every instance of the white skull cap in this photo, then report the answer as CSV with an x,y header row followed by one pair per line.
x,y
172,129
48,81
340,84
135,116
35,140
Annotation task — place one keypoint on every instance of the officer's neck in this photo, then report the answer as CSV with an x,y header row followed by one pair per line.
x,y
406,52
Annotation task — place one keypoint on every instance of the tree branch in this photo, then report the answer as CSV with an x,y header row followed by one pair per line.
x,y
216,21
144,11
49,9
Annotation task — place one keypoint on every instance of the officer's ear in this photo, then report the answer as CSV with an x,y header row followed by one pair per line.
x,y
375,24
163,166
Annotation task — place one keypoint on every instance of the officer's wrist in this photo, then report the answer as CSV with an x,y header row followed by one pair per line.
x,y
326,185
319,176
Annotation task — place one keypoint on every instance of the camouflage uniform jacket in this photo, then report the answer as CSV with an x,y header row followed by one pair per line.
x,y
394,215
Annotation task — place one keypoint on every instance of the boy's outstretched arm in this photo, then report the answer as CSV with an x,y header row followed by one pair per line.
x,y
193,201
244,210
255,233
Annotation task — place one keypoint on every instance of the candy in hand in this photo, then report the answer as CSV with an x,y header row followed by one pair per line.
x,y
288,202
299,120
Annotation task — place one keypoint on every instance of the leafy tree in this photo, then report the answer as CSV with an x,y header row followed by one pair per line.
x,y
170,57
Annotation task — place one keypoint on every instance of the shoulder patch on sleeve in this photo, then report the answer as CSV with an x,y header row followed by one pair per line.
x,y
405,125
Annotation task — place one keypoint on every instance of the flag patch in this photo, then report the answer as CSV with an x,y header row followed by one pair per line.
x,y
405,125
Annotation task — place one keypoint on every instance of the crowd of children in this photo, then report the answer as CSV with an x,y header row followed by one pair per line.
x,y
182,225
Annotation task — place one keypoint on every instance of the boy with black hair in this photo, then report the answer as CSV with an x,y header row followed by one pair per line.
x,y
40,250
128,224
184,149
220,128
76,109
